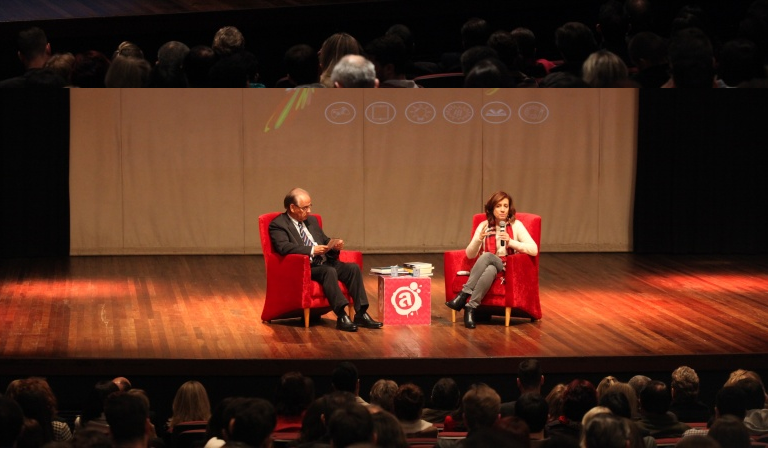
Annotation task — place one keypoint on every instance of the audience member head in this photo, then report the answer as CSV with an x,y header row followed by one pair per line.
x,y
128,420
445,394
34,49
169,68
128,72
513,431
351,425
94,403
405,35
555,401
190,403
11,422
731,400
389,433
604,69
474,55
389,56
90,69
61,64
638,383
638,15
604,384
525,41
753,393
345,377
529,376
647,49
227,41
408,402
221,415
122,383
506,48
314,423
489,73
579,397
127,48
198,64
604,430
302,64
533,409
611,23
237,70
481,406
685,384
690,16
474,32
575,42
740,61
655,398
333,49
691,59
354,71
383,394
294,394
253,421
621,399
730,431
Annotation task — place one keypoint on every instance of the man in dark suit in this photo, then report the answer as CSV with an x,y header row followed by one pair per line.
x,y
296,232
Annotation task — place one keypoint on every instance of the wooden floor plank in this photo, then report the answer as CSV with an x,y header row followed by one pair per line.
x,y
206,309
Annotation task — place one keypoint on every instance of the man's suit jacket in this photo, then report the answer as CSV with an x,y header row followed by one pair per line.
x,y
286,239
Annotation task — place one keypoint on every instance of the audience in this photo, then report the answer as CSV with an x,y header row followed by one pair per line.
x,y
655,400
383,394
730,431
408,408
354,71
292,398
252,423
625,44
445,400
529,380
128,420
685,396
350,426
579,397
190,404
388,431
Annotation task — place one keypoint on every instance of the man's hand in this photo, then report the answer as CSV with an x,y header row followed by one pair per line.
x,y
320,250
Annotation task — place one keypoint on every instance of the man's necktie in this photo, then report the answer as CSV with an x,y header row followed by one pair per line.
x,y
304,236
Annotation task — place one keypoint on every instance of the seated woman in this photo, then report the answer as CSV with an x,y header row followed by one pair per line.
x,y
493,241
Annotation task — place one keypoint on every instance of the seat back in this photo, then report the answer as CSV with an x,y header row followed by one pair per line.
x,y
532,223
266,242
441,80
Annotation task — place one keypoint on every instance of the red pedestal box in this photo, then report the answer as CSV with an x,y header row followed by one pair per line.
x,y
405,300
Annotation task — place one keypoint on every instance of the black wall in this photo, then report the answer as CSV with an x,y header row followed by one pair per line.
x,y
702,166
34,173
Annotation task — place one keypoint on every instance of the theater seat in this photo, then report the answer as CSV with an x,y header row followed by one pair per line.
x,y
290,291
518,296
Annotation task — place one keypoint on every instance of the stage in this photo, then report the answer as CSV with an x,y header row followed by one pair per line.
x,y
200,315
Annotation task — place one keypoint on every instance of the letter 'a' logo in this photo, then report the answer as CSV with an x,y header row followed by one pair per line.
x,y
406,299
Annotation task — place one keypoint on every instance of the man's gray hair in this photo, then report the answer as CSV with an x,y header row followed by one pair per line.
x,y
354,71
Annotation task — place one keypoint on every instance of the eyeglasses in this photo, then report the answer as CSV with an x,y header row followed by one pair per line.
x,y
304,208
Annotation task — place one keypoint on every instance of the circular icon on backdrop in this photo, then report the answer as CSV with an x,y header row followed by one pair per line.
x,y
420,112
340,113
380,113
406,299
496,112
533,112
458,112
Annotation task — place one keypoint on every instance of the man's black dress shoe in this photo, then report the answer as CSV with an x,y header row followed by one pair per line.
x,y
344,323
365,321
458,303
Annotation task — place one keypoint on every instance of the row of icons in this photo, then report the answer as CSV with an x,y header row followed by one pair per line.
x,y
420,113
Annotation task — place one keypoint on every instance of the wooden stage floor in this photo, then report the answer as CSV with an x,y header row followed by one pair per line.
x,y
200,315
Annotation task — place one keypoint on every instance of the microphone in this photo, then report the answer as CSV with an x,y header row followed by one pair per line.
x,y
502,228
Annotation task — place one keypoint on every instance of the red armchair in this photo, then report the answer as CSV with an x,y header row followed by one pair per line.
x,y
519,295
290,291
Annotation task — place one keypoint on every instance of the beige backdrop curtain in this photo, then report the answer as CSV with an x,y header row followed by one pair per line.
x,y
390,170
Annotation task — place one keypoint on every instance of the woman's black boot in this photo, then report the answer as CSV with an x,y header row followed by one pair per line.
x,y
469,319
457,303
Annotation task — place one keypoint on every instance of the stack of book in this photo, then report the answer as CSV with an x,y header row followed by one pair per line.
x,y
423,269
